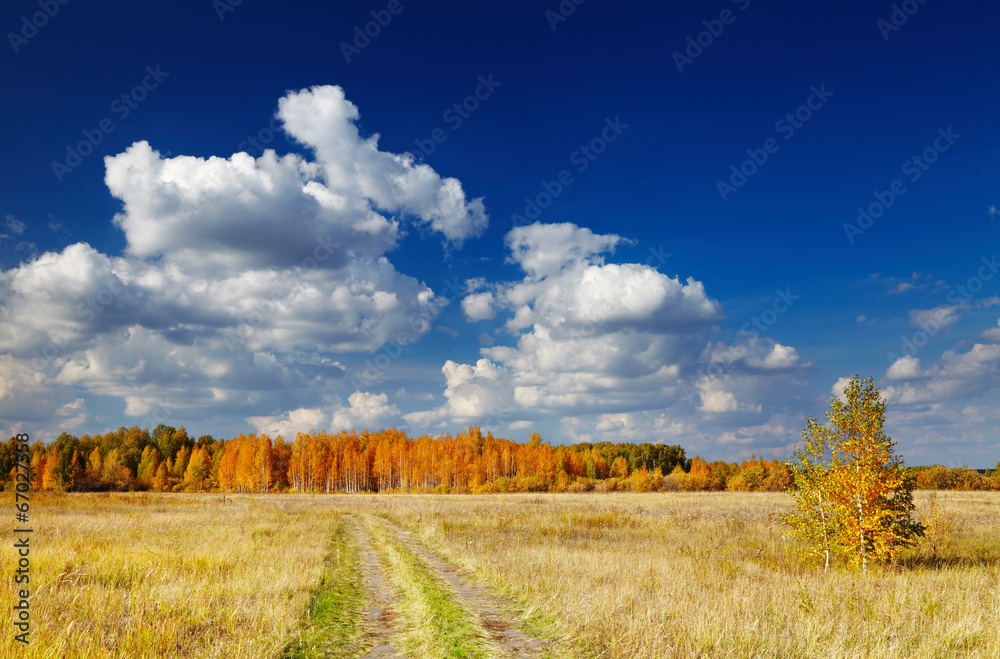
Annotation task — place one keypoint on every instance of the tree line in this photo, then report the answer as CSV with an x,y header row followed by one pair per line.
x,y
167,459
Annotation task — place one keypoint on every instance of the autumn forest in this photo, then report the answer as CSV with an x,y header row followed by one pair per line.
x,y
167,459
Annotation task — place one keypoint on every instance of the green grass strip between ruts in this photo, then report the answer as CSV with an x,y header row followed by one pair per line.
x,y
439,626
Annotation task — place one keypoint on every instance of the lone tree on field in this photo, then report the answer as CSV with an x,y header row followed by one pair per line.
x,y
851,489
814,517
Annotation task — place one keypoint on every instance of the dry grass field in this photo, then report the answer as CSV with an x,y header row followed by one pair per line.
x,y
167,575
595,575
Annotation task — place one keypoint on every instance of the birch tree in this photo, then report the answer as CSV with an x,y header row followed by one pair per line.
x,y
814,517
851,490
870,490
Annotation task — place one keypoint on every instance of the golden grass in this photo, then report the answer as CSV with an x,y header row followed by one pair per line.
x,y
166,575
703,574
623,575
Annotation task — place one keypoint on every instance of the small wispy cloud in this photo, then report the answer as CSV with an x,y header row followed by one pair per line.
x,y
449,331
14,225
938,318
55,226
915,282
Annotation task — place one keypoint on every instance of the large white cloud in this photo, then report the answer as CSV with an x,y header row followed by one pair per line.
x,y
571,291
246,283
958,375
608,345
545,249
354,168
285,211
77,295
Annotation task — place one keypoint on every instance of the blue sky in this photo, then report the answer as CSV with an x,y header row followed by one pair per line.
x,y
171,170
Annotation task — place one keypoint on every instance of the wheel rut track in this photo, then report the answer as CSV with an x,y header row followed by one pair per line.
x,y
380,616
490,610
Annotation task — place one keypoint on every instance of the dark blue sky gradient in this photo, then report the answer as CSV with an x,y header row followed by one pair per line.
x,y
656,184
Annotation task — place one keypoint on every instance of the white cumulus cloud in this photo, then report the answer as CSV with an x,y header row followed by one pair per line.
x,y
906,367
610,345
245,283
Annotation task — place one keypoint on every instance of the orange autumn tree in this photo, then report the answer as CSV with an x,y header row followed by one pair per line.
x,y
869,495
871,490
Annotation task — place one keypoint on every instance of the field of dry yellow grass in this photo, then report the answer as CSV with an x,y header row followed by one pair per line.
x,y
594,575
166,575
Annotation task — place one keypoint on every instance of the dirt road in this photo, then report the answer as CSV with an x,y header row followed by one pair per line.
x,y
419,605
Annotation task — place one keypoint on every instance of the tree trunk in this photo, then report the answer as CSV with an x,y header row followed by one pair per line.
x,y
826,533
861,534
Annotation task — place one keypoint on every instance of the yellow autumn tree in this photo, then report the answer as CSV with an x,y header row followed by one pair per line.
x,y
95,465
115,474
199,469
149,463
813,518
852,489
870,488
161,479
